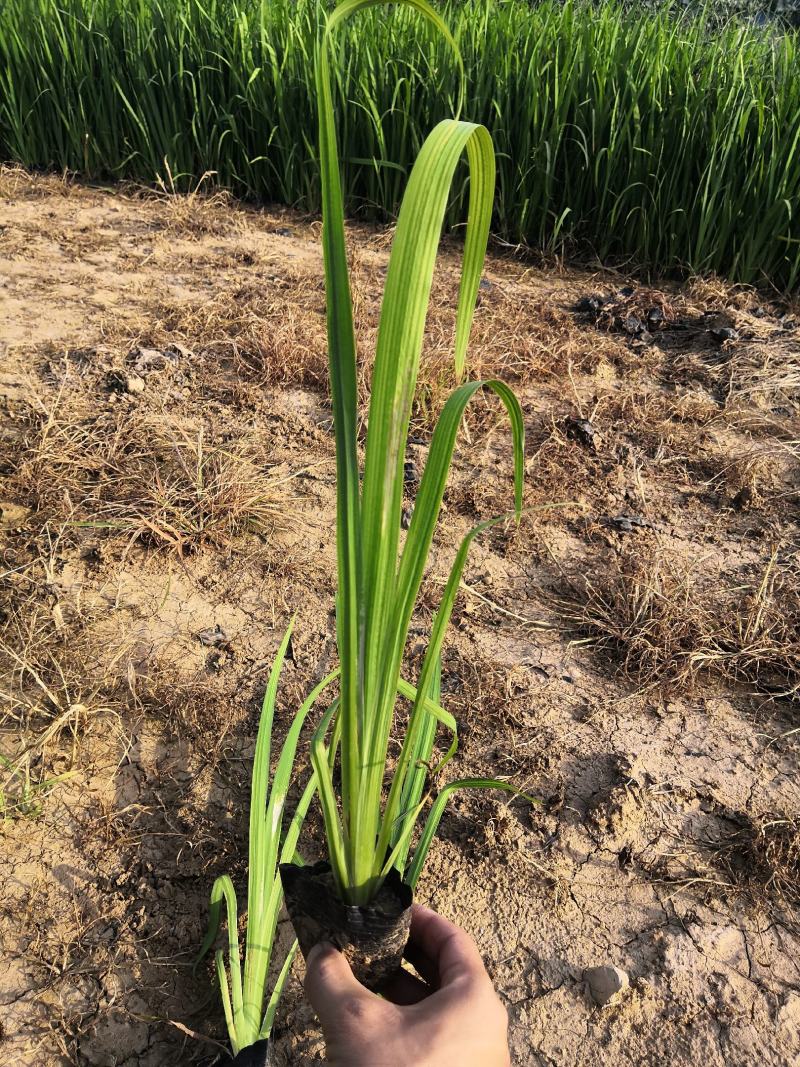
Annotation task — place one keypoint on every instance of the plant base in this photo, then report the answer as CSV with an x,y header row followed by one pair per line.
x,y
256,1055
373,937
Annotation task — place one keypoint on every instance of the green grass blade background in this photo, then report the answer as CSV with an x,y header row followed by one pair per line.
x,y
651,135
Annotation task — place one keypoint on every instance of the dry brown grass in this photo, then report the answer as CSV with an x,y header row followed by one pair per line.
x,y
271,329
760,854
267,338
15,181
520,338
753,856
57,684
666,624
143,477
185,707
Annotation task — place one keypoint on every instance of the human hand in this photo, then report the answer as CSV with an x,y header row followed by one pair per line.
x,y
452,1018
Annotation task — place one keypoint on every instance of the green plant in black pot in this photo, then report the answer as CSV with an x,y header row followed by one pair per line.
x,y
360,899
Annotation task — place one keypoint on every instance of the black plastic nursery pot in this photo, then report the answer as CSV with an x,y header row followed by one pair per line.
x,y
373,937
256,1055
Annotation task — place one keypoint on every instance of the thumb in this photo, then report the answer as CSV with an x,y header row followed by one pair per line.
x,y
331,987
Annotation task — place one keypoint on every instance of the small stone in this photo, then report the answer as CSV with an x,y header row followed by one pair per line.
x,y
626,523
605,983
214,637
721,334
590,304
134,384
632,325
580,430
144,360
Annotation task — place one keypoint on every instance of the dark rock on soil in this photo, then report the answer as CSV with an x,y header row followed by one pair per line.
x,y
580,430
590,304
721,334
626,523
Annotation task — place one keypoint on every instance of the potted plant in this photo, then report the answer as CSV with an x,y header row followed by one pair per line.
x,y
249,1011
360,898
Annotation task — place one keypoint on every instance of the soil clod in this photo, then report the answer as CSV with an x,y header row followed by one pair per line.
x,y
721,334
581,430
605,983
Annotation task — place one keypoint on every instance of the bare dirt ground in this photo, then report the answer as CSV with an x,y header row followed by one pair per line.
x,y
630,654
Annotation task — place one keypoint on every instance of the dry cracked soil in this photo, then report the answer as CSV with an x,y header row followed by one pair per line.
x,y
629,654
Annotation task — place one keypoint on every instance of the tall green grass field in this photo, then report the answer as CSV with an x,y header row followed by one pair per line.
x,y
667,140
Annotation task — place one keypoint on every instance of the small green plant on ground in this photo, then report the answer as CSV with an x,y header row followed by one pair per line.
x,y
21,793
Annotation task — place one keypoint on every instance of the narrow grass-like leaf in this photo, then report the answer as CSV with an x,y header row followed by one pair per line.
x,y
436,812
244,998
277,992
414,784
263,846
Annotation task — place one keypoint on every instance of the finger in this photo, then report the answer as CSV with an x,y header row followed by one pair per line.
x,y
449,948
330,984
422,964
404,989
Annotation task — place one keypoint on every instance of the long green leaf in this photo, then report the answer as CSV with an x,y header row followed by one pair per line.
x,y
436,812
414,783
261,924
262,848
394,813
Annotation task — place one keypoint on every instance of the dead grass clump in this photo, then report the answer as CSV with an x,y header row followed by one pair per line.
x,y
197,213
266,338
664,425
665,624
200,215
193,707
639,613
746,479
534,338
755,382
16,181
146,479
56,686
712,292
767,378
761,855
754,856
755,638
